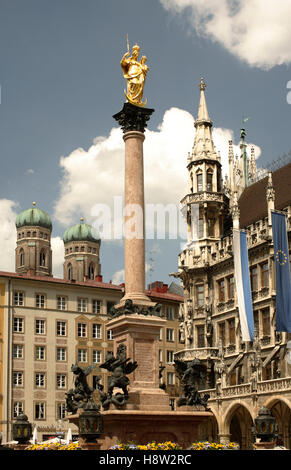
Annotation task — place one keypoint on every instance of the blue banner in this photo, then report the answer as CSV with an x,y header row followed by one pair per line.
x,y
282,265
243,286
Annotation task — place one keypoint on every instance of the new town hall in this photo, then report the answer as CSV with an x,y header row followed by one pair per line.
x,y
47,324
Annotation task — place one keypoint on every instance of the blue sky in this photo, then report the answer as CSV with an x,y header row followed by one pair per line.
x,y
61,82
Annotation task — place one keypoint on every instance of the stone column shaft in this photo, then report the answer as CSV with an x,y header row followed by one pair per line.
x,y
134,243
133,121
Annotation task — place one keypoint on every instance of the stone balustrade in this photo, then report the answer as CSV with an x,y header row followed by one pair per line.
x,y
244,390
199,353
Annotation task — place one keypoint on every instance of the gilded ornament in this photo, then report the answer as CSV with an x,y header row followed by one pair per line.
x,y
134,71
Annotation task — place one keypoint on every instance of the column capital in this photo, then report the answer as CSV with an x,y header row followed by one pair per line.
x,y
133,118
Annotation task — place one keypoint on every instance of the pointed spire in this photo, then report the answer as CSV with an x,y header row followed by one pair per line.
x,y
203,115
203,144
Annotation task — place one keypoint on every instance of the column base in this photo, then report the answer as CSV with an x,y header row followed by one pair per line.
x,y
139,299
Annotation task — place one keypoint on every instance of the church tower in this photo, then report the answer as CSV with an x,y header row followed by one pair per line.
x,y
82,253
205,189
33,253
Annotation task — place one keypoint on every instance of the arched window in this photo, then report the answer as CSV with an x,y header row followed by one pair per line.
x,y
91,272
42,258
70,272
209,181
199,177
21,257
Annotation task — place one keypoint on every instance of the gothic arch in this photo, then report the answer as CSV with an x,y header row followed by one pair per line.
x,y
21,257
91,271
42,258
70,271
280,408
238,423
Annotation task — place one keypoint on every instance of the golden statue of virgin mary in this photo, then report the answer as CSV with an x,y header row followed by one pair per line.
x,y
135,73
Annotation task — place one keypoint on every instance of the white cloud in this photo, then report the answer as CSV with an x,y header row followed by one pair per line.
x,y
7,234
57,245
96,176
118,277
256,31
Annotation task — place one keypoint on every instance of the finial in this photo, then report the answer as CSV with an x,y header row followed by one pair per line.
x,y
202,84
82,219
34,203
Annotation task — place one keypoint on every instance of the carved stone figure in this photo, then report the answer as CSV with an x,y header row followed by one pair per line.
x,y
182,332
119,366
76,398
161,369
129,308
191,375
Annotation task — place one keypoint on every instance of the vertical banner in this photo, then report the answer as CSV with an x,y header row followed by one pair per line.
x,y
282,269
243,285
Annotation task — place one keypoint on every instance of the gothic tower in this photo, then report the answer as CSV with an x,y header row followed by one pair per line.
x,y
205,201
82,253
33,253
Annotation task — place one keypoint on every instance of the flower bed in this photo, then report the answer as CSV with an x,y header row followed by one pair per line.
x,y
54,446
150,446
214,446
172,446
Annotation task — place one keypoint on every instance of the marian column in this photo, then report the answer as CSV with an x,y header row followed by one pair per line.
x,y
132,120
136,321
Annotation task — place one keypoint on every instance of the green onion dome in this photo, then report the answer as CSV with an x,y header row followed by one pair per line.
x,y
81,232
33,217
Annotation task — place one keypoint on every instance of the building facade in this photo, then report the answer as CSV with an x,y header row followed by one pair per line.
x,y
48,324
240,377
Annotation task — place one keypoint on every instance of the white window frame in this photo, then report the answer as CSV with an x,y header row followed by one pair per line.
x,y
82,330
40,300
61,302
61,411
40,326
17,351
82,305
18,408
17,379
97,331
41,410
97,356
18,298
40,353
170,337
61,328
61,381
61,354
82,355
170,356
96,306
18,325
109,335
39,380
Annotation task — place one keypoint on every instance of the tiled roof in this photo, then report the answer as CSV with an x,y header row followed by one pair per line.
x,y
253,202
88,283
